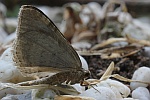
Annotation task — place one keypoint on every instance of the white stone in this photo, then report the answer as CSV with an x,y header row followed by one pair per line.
x,y
137,30
96,9
146,51
128,99
3,9
42,93
7,55
100,93
125,18
3,35
141,93
117,87
78,87
4,91
9,39
82,45
26,96
141,74
84,63
8,70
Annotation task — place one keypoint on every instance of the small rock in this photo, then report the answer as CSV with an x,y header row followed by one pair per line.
x,y
125,18
84,63
117,87
78,87
81,45
100,93
128,99
38,94
14,94
141,74
141,93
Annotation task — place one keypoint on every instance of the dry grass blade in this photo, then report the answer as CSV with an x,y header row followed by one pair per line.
x,y
114,52
108,71
69,97
127,39
117,76
141,42
131,53
89,53
108,42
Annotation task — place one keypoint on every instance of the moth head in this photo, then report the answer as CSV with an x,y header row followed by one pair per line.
x,y
86,74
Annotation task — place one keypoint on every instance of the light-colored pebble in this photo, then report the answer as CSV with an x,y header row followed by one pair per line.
x,y
4,91
117,87
137,30
84,63
78,87
125,17
146,51
141,93
128,99
141,74
9,39
7,55
26,96
96,9
38,94
100,93
8,70
3,35
81,45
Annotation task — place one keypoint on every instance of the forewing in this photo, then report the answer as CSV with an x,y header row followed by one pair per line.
x,y
40,43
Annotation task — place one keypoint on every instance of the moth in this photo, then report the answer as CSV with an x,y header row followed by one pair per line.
x,y
41,48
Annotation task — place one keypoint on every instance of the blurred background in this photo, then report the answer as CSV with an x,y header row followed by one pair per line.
x,y
86,21
135,7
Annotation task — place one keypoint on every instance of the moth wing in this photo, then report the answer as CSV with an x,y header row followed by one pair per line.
x,y
40,43
38,72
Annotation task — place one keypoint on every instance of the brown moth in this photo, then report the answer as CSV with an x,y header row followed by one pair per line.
x,y
41,47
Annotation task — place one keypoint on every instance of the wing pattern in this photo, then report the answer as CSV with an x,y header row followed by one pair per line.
x,y
40,43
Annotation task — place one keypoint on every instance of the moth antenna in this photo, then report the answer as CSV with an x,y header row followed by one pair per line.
x,y
95,88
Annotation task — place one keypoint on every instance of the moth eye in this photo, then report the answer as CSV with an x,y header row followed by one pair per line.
x,y
87,73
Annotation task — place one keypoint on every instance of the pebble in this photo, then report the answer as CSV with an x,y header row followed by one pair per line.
x,y
117,87
100,93
141,74
84,63
141,93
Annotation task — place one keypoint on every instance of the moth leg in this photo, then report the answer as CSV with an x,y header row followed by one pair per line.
x,y
65,82
88,85
83,84
69,83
